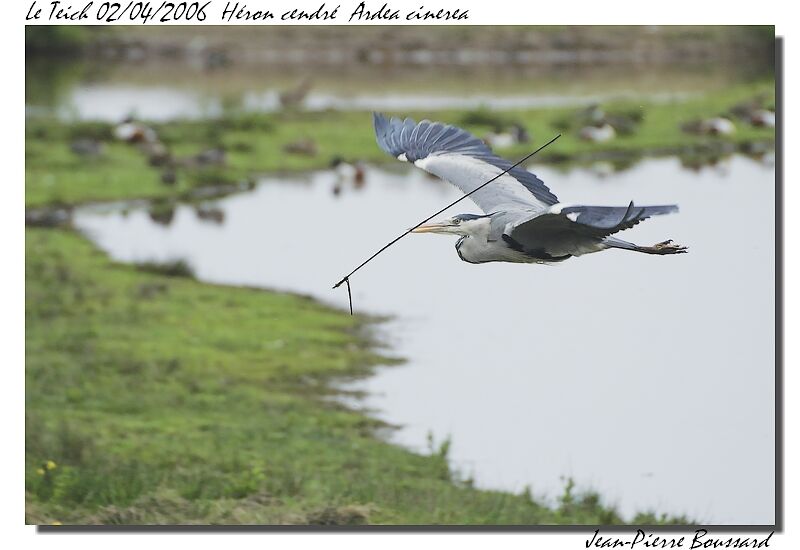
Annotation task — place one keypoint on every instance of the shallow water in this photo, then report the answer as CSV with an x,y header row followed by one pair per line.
x,y
105,102
167,91
650,379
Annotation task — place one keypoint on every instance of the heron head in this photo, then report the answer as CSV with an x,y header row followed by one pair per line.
x,y
460,224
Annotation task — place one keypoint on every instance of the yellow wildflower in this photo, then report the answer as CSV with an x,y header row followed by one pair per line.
x,y
56,523
40,471
51,465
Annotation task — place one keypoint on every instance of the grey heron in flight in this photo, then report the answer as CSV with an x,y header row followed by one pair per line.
x,y
523,220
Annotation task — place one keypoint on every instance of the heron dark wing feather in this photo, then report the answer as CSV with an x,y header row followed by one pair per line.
x,y
419,141
590,221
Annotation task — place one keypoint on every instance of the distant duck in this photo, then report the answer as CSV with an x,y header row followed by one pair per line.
x,y
169,177
295,96
520,133
745,109
134,132
156,152
146,139
162,213
347,172
622,124
210,213
307,147
214,156
598,134
86,147
716,126
763,118
210,157
501,139
591,115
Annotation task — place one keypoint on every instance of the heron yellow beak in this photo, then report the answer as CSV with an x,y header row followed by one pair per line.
x,y
430,228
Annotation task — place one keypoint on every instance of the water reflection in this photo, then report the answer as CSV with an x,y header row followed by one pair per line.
x,y
648,378
166,90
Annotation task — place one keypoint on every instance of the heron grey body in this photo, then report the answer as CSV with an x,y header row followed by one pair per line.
x,y
484,240
523,220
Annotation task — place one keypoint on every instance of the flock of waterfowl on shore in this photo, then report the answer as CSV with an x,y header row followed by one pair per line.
x,y
593,123
158,154
146,139
754,112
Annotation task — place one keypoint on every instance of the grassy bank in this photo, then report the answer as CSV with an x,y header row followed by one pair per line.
x,y
254,144
158,399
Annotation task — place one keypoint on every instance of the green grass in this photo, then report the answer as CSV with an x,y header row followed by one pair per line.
x,y
160,399
254,145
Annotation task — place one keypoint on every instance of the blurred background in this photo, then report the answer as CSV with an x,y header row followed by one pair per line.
x,y
617,389
106,73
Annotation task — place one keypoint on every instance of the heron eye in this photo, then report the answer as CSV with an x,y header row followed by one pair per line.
x,y
456,221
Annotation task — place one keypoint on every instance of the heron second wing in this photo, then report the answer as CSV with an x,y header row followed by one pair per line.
x,y
460,158
587,221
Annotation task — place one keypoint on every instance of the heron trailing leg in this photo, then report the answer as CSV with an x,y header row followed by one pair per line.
x,y
662,248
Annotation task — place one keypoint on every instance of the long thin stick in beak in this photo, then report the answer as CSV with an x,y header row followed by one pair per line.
x,y
346,278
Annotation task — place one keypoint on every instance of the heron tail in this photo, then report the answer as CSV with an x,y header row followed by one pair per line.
x,y
662,248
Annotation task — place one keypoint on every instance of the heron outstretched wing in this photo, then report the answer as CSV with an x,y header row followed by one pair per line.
x,y
460,158
589,221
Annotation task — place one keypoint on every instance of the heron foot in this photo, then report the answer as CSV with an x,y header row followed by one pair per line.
x,y
665,247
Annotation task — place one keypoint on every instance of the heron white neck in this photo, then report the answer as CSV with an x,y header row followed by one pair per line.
x,y
478,228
